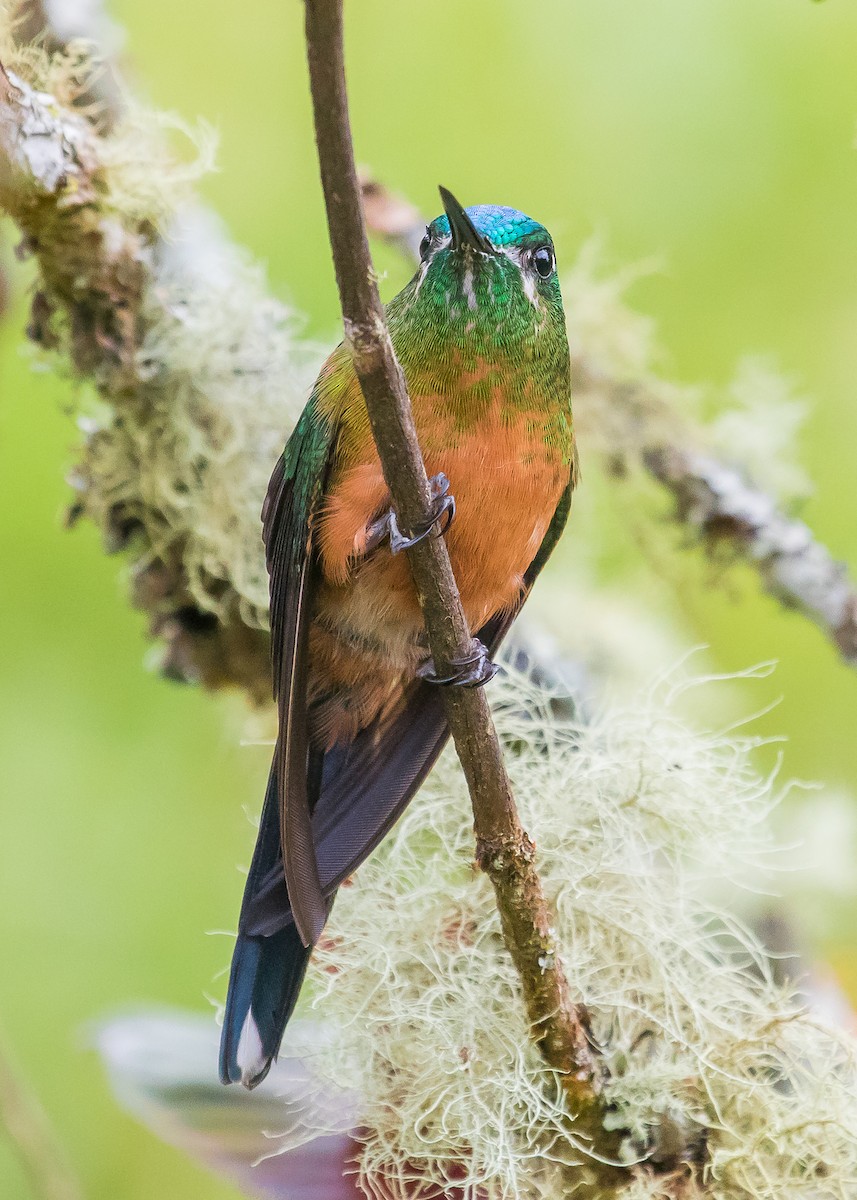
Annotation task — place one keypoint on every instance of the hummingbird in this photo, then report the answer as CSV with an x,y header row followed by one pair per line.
x,y
480,335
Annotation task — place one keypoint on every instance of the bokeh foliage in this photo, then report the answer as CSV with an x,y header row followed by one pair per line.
x,y
717,134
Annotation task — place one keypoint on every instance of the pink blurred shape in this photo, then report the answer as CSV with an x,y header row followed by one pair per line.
x,y
291,1138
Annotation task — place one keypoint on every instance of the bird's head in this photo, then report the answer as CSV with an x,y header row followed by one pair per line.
x,y
486,272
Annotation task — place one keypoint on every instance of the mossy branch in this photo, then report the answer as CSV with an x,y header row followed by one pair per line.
x,y
110,293
559,1026
714,498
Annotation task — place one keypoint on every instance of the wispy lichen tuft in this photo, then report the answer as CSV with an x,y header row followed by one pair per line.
x,y
221,380
717,1078
626,405
623,405
760,425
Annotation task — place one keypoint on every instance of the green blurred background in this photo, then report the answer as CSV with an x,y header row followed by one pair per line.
x,y
717,134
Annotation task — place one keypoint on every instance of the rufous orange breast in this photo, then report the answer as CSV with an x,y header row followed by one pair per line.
x,y
506,480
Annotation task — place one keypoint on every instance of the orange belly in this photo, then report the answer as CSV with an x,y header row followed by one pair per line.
x,y
369,633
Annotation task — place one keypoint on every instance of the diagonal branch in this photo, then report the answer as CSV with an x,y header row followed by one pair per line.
x,y
715,499
712,498
559,1026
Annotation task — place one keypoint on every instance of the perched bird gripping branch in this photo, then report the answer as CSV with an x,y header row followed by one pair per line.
x,y
480,335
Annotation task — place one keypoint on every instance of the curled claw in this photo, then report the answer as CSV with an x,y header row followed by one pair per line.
x,y
474,670
387,526
443,510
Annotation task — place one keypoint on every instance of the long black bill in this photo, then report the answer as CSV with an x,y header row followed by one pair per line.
x,y
464,232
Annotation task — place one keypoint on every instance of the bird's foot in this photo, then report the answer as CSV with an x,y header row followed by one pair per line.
x,y
387,526
474,670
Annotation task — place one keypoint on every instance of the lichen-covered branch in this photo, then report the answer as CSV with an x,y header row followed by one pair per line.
x,y
715,499
50,183
197,370
559,1026
634,421
56,25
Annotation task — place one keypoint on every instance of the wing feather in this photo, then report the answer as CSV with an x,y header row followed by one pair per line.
x,y
366,786
294,495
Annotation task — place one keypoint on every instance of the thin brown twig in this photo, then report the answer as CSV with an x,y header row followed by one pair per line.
x,y
712,498
32,1137
505,852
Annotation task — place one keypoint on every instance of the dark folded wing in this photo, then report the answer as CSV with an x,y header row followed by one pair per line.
x,y
295,494
367,785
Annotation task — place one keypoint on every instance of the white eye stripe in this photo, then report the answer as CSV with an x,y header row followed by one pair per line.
x,y
529,286
521,257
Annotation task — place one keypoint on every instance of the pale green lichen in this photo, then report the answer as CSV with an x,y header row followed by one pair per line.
x,y
717,1077
622,403
600,322
222,378
759,424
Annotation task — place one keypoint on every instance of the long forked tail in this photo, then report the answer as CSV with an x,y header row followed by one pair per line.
x,y
267,972
356,793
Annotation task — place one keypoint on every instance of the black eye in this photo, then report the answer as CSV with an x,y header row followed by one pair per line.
x,y
425,243
544,261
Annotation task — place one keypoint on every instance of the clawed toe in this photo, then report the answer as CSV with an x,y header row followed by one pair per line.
x,y
386,528
474,670
443,510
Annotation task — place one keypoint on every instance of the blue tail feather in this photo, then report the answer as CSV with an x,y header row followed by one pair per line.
x,y
267,972
264,984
